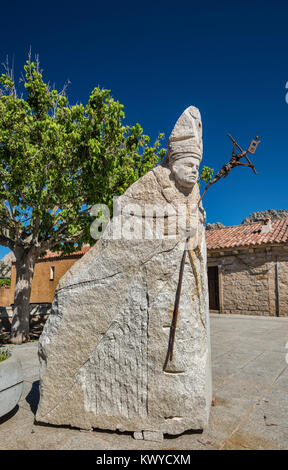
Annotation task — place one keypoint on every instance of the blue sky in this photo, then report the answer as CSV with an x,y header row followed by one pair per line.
x,y
227,58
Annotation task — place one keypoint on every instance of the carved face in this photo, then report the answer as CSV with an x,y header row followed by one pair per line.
x,y
185,171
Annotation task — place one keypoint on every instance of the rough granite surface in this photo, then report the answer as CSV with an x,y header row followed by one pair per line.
x,y
104,345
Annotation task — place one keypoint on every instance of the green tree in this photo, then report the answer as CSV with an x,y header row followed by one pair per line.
x,y
57,160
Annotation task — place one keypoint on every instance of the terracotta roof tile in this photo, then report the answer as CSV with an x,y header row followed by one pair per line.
x,y
57,254
247,234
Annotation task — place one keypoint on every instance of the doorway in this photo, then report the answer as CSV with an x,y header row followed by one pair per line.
x,y
213,286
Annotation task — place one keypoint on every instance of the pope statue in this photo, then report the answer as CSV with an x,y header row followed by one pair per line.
x,y
104,351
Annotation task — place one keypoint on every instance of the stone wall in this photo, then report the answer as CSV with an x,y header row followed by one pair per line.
x,y
247,280
283,286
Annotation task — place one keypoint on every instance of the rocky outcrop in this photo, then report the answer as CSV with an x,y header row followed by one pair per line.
x,y
214,225
5,265
260,215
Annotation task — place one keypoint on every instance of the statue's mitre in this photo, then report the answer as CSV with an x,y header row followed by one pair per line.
x,y
186,137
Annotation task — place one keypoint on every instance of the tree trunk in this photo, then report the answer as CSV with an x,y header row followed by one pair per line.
x,y
25,262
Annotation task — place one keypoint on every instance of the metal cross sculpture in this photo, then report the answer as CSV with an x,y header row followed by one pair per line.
x,y
235,161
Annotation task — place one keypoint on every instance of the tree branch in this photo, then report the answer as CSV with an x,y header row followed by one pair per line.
x,y
48,244
5,241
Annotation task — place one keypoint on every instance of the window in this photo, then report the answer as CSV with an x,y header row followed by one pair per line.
x,y
52,272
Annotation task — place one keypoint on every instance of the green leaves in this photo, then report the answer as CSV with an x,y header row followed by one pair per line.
x,y
39,98
5,282
206,174
6,82
56,160
4,353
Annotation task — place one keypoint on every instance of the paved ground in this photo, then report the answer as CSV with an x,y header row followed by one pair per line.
x,y
250,377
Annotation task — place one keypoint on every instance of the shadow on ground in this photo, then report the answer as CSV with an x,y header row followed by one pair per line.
x,y
37,323
33,397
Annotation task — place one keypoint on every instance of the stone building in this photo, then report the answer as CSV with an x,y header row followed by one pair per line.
x,y
248,268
